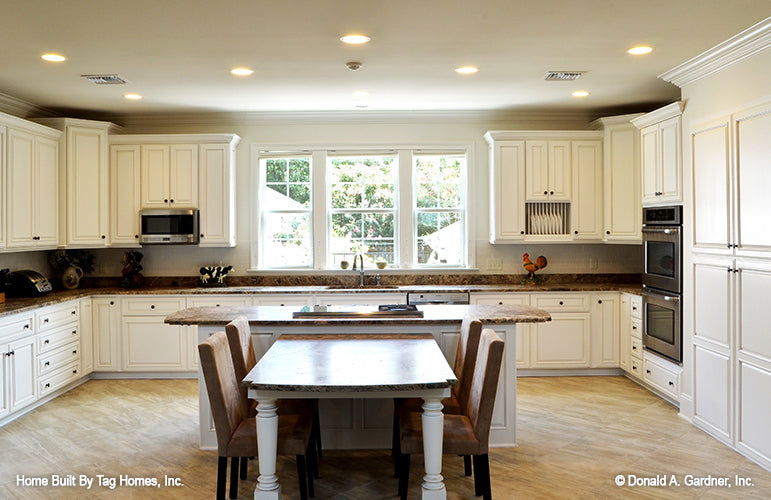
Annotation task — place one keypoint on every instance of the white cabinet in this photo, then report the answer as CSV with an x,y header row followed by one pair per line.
x,y
606,326
622,214
106,324
586,207
125,195
523,329
507,189
58,346
548,170
169,176
662,375
32,173
86,337
18,374
2,189
293,300
661,155
565,341
217,194
148,344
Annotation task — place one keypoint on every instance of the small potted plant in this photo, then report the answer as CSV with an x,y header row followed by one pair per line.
x,y
71,265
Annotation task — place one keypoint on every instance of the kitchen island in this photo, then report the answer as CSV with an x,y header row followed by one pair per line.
x,y
366,424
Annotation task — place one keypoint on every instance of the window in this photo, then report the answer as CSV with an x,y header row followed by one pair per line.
x,y
406,208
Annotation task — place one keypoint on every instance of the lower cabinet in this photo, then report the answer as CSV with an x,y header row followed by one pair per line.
x,y
606,325
105,325
523,329
662,375
148,344
18,374
565,341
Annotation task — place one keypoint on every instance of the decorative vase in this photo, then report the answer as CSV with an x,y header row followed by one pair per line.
x,y
71,277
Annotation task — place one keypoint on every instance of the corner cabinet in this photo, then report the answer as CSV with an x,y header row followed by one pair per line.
x,y
661,155
545,186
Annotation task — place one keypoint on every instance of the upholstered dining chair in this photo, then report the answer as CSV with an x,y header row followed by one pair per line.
x,y
465,359
465,434
236,431
244,359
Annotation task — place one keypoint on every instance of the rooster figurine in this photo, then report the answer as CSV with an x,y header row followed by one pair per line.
x,y
540,263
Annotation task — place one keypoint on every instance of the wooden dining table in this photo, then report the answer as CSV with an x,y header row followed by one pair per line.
x,y
324,366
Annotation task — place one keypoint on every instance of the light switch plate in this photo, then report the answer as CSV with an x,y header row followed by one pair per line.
x,y
494,264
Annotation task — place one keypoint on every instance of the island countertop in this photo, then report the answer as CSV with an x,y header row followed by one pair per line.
x,y
432,314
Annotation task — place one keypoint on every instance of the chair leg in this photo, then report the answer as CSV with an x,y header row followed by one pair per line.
x,y
478,490
395,445
244,465
316,432
482,476
404,475
467,465
222,471
234,477
302,476
313,466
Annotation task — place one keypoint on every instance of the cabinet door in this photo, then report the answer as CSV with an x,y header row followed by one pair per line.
x,y
47,192
125,190
537,174
298,300
649,150
183,176
217,196
586,208
23,387
711,186
151,345
21,189
155,176
753,301
5,404
670,171
712,392
625,339
606,327
754,409
105,330
86,337
523,329
754,181
2,205
712,299
87,187
621,192
560,170
563,342
507,191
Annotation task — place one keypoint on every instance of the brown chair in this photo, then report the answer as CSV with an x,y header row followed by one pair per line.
x,y
240,340
465,359
466,434
236,432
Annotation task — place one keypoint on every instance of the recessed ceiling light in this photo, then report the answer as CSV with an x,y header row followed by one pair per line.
x,y
53,57
466,70
355,39
360,93
580,93
132,97
242,71
642,49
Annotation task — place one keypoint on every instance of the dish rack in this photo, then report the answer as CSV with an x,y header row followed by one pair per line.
x,y
547,218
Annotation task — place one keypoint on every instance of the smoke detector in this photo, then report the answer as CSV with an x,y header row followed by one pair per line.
x,y
106,79
353,65
562,76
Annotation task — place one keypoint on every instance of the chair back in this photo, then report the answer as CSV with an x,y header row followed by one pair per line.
x,y
466,356
240,340
223,388
479,407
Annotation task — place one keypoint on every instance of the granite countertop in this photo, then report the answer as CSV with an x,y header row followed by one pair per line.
x,y
16,305
432,314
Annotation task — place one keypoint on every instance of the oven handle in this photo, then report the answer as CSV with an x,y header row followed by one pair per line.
x,y
661,230
659,295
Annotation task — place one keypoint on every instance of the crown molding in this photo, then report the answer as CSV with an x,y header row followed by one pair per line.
x,y
750,41
21,108
659,115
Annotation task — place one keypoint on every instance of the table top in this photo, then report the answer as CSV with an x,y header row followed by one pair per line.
x,y
433,314
352,363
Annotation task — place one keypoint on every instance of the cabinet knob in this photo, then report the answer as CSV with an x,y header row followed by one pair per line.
x,y
172,201
545,192
551,192
634,347
648,372
500,303
103,236
152,306
136,236
634,368
634,327
634,308
26,327
521,232
166,201
112,302
47,363
45,320
74,332
46,341
75,351
48,385
671,384
73,312
561,303
599,301
575,232
607,232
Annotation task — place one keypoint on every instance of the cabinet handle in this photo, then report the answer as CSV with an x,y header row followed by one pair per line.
x,y
74,332
48,385
45,320
48,363
26,327
12,353
46,341
521,232
634,347
671,384
75,371
648,372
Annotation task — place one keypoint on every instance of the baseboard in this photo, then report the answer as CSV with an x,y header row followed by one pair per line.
x,y
143,375
578,372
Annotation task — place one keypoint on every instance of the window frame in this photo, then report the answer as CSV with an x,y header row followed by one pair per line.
x,y
405,221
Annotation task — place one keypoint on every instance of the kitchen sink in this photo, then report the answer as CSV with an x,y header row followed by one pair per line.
x,y
390,311
365,287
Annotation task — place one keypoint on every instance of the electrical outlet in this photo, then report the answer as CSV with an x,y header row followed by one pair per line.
x,y
494,264
593,264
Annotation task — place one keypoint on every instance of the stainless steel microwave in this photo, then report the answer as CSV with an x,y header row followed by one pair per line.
x,y
173,226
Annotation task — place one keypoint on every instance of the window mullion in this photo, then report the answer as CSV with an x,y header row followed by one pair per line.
x,y
405,230
320,223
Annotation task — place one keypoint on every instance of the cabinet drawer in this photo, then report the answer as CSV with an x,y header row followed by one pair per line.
x,y
58,359
50,341
55,317
636,305
161,306
224,301
635,366
59,379
558,303
636,332
18,325
660,376
636,348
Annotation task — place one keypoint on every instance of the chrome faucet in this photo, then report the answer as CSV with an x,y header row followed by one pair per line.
x,y
359,256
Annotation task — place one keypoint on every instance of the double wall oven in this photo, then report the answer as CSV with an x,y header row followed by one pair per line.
x,y
662,281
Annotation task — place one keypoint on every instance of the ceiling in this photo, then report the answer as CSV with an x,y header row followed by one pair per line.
x,y
178,53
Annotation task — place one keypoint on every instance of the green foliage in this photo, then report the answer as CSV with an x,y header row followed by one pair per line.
x,y
62,259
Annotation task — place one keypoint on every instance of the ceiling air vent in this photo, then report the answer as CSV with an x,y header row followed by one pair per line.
x,y
105,79
562,76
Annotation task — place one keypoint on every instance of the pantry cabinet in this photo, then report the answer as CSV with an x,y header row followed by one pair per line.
x,y
661,155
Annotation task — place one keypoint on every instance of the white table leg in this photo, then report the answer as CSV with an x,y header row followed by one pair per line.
x,y
433,434
267,487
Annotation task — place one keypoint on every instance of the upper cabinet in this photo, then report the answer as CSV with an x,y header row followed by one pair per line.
x,y
661,155
32,184
169,176
545,186
124,195
84,181
731,184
